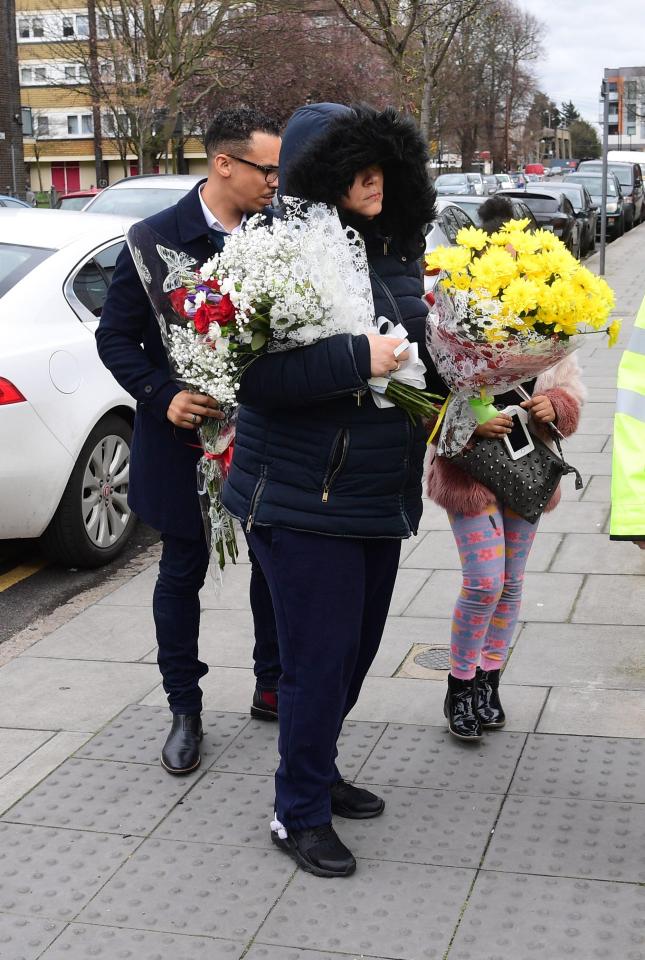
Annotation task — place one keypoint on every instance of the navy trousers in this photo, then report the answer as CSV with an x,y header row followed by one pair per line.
x,y
175,606
331,597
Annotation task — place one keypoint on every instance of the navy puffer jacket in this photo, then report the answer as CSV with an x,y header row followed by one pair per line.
x,y
312,451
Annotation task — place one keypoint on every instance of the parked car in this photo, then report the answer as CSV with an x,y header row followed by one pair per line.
x,y
65,423
553,211
478,182
584,207
630,178
471,205
615,206
454,183
13,202
504,181
141,196
491,184
518,180
76,200
443,231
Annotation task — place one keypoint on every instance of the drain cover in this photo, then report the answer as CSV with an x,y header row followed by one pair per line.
x,y
434,658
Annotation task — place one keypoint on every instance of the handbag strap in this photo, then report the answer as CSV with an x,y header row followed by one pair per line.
x,y
567,466
388,293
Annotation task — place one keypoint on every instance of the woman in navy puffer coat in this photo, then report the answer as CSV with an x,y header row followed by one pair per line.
x,y
325,483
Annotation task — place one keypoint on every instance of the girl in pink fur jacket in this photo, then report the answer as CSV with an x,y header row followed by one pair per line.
x,y
494,545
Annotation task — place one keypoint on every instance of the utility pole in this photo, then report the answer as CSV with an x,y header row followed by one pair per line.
x,y
604,93
99,172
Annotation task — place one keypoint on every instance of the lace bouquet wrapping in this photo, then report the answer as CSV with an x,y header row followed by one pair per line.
x,y
508,307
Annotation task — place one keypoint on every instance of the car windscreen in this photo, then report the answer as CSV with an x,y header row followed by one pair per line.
x,y
17,261
624,172
574,195
470,208
450,179
594,185
542,204
136,201
73,203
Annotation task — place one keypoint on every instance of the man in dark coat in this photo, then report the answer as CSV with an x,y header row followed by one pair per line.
x,y
243,149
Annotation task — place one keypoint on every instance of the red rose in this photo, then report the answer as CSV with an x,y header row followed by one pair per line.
x,y
177,299
226,310
202,318
213,284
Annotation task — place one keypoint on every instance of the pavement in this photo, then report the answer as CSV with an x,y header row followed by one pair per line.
x,y
530,846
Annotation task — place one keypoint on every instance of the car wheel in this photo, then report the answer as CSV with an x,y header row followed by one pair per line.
x,y
592,242
629,222
93,521
621,227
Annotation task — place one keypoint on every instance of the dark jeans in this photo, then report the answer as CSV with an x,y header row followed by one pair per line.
x,y
331,596
175,606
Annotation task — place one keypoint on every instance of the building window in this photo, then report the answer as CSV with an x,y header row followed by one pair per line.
x,y
83,75
24,29
631,113
25,75
37,27
72,125
68,27
40,74
41,126
631,89
70,73
82,26
87,124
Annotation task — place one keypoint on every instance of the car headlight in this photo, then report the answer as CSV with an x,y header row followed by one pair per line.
x,y
612,207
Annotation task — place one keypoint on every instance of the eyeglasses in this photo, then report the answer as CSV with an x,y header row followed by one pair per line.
x,y
270,173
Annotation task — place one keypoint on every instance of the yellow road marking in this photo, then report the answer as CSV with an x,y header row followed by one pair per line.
x,y
19,573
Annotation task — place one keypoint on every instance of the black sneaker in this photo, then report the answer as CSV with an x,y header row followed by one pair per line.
x,y
317,850
265,705
354,803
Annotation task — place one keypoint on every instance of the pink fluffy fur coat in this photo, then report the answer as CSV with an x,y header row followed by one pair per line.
x,y
457,492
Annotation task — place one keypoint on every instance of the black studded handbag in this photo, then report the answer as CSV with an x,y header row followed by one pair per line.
x,y
525,485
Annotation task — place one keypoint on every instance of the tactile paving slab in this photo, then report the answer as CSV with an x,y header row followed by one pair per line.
x,y
407,911
53,873
571,838
425,826
86,942
255,749
260,952
24,938
224,808
138,734
514,917
591,768
220,891
417,756
125,798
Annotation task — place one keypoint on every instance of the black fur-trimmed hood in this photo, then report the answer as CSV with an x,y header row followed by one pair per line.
x,y
325,145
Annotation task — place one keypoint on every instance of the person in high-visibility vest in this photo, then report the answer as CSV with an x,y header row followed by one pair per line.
x,y
628,467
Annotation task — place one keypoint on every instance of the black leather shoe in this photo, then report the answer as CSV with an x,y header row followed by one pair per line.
x,y
490,710
265,705
354,803
317,850
181,750
460,709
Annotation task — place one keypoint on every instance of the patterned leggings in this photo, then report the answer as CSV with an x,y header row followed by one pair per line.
x,y
493,547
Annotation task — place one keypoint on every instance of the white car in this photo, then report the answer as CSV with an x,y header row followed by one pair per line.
x,y
142,196
65,423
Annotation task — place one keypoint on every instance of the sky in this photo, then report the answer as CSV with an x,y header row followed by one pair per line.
x,y
582,38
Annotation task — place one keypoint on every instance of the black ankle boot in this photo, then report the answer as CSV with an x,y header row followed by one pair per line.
x,y
181,750
490,710
460,709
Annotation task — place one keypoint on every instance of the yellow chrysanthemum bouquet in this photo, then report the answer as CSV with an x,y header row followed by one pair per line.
x,y
508,307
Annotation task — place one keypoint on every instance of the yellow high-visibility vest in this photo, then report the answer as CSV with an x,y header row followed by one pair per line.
x,y
628,464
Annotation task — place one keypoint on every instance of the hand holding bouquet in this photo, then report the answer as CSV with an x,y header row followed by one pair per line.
x,y
508,307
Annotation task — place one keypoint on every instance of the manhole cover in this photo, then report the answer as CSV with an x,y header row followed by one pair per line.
x,y
434,658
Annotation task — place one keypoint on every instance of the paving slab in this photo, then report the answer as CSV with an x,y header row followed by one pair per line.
x,y
138,734
580,710
255,749
597,409
261,952
433,517
400,635
581,655
202,889
595,553
101,633
408,585
36,766
581,517
428,757
100,795
600,425
137,592
598,489
511,916
24,938
441,827
592,464
382,910
85,942
47,694
584,768
585,443
16,745
610,599
229,593
571,838
412,701
53,873
546,597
